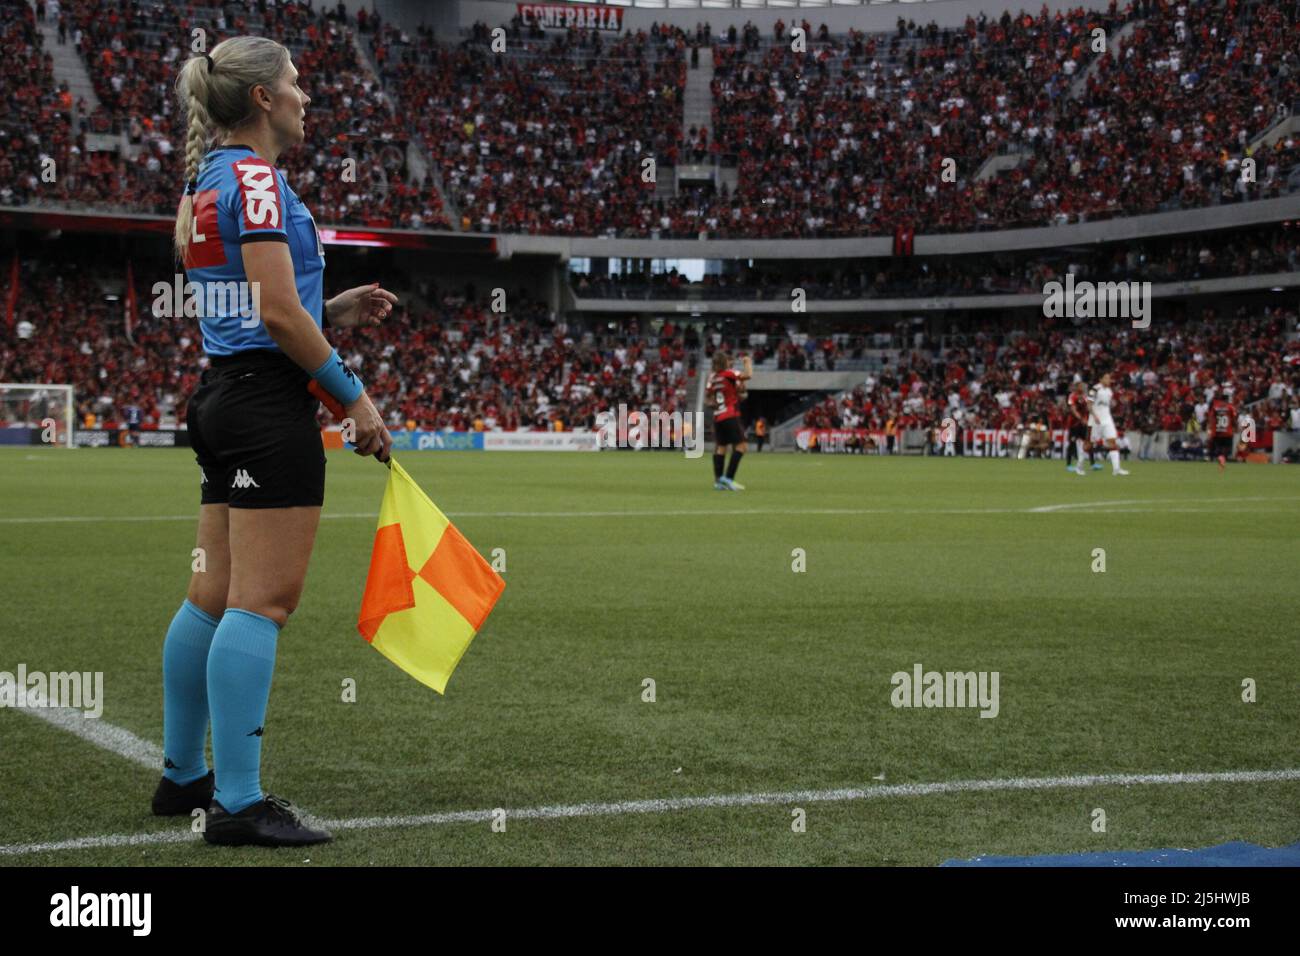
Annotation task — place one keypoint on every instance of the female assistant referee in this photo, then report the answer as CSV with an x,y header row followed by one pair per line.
x,y
252,422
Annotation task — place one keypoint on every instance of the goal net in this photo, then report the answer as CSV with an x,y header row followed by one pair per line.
x,y
46,410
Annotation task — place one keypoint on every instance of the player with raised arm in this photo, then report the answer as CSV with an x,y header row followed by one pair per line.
x,y
1221,423
252,424
726,388
1104,430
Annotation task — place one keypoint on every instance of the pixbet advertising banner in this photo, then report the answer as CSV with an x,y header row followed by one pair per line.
x,y
483,441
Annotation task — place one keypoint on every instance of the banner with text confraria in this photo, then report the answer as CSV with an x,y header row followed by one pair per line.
x,y
563,16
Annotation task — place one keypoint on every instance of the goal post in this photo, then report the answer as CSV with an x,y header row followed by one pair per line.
x,y
49,410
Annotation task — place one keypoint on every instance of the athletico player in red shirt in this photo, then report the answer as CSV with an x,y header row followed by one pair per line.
x,y
1221,421
726,387
1078,437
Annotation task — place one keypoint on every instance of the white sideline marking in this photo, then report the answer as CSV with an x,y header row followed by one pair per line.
x,y
1046,509
101,733
670,804
1100,507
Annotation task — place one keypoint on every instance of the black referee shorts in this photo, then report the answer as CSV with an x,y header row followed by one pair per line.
x,y
252,424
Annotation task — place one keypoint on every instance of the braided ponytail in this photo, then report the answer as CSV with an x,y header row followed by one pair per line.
x,y
192,87
214,93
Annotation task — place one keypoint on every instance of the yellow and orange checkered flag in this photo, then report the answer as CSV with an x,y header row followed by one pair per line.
x,y
428,591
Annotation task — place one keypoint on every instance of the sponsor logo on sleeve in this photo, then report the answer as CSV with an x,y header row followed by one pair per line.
x,y
262,207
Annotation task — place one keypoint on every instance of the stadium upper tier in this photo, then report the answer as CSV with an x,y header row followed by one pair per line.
x,y
1266,252
1003,123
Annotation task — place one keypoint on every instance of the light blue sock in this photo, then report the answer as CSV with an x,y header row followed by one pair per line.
x,y
185,693
240,665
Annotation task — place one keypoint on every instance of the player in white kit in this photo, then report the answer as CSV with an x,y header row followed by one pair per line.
x,y
1104,428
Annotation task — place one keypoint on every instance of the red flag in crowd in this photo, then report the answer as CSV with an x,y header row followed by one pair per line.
x,y
903,236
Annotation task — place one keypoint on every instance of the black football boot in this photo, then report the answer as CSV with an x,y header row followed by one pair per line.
x,y
269,822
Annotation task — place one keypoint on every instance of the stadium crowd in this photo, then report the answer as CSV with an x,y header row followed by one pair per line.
x,y
444,361
550,136
1164,378
852,138
132,51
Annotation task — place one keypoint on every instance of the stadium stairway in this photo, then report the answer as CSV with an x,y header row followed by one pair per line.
x,y
1080,84
697,109
1287,125
418,162
697,101
69,69
1002,161
702,379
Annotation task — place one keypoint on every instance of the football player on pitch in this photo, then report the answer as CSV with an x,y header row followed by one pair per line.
x,y
726,387
1221,419
1077,441
1104,429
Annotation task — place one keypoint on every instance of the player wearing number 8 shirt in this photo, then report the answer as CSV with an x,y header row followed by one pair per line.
x,y
726,388
249,247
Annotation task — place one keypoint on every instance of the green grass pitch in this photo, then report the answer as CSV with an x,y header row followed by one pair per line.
x,y
627,566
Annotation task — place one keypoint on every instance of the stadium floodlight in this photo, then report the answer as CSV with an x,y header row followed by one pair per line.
x,y
39,407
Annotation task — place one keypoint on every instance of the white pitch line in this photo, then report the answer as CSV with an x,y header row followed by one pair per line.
x,y
1047,509
716,801
101,733
1099,506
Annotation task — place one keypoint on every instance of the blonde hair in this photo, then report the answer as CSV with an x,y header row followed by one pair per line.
x,y
214,93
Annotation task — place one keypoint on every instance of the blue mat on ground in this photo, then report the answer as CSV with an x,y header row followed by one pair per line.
x,y
1236,853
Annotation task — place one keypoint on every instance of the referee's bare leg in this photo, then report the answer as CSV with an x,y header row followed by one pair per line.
x,y
269,552
208,587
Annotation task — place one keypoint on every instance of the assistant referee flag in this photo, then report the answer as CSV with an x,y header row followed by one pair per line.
x,y
428,591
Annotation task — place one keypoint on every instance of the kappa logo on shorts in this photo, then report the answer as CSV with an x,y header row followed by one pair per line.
x,y
203,477
242,480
